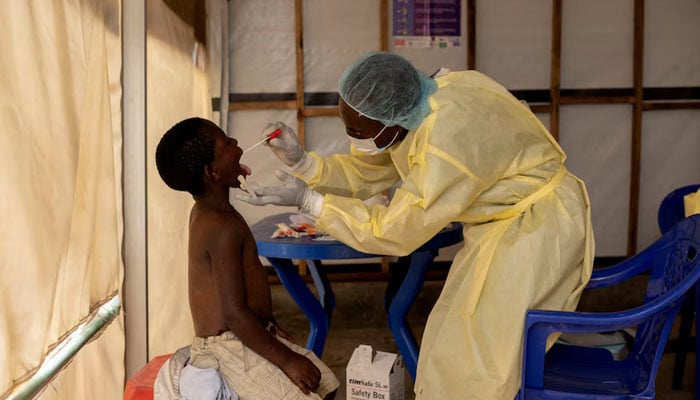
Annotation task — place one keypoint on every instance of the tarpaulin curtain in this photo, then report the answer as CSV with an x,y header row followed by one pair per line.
x,y
177,77
60,174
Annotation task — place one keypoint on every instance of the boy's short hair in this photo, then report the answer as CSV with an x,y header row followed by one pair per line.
x,y
183,152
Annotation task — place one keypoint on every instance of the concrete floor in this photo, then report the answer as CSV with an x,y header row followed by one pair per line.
x,y
359,319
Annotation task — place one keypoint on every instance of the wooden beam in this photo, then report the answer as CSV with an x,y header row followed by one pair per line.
x,y
678,105
596,100
321,112
326,111
540,108
262,105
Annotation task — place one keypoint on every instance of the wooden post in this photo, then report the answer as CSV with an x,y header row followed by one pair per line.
x,y
384,46
555,69
383,25
299,41
299,44
638,69
471,34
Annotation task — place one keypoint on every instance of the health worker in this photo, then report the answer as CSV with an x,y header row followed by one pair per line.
x,y
464,149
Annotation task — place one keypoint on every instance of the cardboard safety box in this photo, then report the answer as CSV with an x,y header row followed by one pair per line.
x,y
370,376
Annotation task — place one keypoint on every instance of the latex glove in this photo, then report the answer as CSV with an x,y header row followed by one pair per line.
x,y
293,192
286,145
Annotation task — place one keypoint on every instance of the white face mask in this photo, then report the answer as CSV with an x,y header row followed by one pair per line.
x,y
368,146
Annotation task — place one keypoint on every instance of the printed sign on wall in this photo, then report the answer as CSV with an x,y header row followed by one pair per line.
x,y
427,23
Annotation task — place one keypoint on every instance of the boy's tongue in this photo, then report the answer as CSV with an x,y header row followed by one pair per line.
x,y
245,169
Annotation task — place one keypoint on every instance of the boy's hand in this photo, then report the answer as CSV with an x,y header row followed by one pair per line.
x,y
302,373
275,330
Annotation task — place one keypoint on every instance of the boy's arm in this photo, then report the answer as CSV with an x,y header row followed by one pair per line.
x,y
228,273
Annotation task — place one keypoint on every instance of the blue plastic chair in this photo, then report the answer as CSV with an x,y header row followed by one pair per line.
x,y
575,372
671,211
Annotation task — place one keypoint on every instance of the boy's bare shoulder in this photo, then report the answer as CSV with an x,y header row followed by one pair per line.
x,y
208,221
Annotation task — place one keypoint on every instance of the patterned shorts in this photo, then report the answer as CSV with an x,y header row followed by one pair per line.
x,y
252,376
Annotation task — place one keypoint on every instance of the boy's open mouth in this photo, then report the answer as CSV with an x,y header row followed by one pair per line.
x,y
245,169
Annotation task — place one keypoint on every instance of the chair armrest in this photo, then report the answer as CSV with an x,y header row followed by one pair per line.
x,y
617,273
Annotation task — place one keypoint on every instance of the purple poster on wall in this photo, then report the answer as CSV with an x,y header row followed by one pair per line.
x,y
427,23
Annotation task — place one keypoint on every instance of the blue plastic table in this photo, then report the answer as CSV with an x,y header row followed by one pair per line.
x,y
281,251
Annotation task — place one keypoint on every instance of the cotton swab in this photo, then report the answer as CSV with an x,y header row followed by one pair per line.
x,y
273,135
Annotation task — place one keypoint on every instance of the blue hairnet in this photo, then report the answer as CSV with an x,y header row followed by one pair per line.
x,y
387,88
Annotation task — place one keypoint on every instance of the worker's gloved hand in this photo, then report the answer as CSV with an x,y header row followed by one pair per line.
x,y
293,192
286,146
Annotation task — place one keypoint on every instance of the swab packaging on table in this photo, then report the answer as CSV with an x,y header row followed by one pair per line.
x,y
370,376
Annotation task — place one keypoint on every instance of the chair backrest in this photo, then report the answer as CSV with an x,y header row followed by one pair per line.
x,y
672,258
671,209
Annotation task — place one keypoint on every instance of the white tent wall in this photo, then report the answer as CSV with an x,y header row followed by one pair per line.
x,y
513,45
62,182
605,138
670,159
513,42
670,155
60,254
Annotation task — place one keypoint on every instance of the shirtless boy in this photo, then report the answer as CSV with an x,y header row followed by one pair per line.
x,y
229,295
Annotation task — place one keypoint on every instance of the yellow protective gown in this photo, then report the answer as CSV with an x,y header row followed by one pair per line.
x,y
481,158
